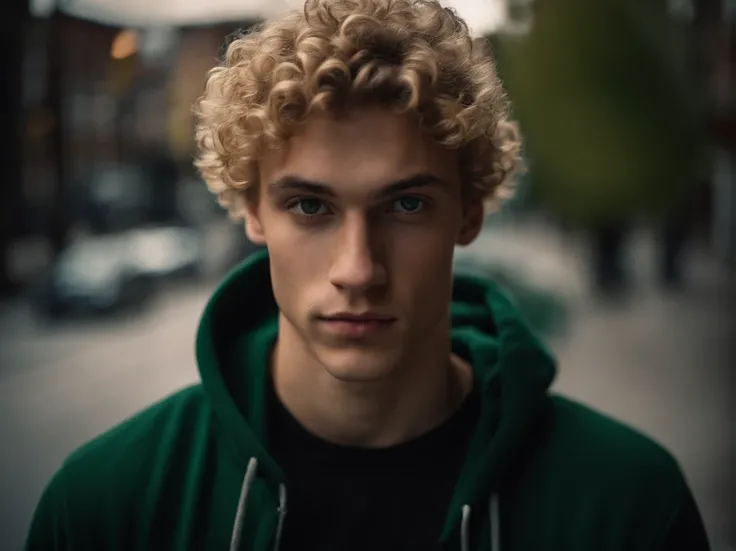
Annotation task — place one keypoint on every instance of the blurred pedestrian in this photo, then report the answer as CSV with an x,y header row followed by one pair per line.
x,y
608,248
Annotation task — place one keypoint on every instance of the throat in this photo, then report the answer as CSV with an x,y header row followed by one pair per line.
x,y
373,414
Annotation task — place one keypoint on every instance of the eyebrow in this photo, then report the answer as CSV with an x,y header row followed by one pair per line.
x,y
422,179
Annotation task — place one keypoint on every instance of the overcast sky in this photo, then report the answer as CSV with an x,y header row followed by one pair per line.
x,y
482,15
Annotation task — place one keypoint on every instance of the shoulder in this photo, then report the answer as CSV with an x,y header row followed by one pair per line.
x,y
602,435
156,429
610,450
620,475
596,462
101,482
128,451
599,463
611,485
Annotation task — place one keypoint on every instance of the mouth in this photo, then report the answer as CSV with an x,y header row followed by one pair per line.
x,y
367,317
356,325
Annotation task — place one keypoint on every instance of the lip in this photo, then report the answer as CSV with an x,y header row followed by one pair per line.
x,y
361,317
356,325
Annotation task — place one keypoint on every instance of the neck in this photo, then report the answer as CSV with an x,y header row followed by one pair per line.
x,y
413,398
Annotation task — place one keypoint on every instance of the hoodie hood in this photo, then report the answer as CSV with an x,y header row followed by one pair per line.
x,y
512,369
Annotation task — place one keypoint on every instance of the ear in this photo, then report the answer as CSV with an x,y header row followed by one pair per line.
x,y
473,215
253,226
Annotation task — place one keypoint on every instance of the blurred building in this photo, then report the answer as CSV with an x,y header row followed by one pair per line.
x,y
111,82
95,94
115,93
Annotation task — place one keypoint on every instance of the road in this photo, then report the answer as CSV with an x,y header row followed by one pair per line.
x,y
658,362
58,388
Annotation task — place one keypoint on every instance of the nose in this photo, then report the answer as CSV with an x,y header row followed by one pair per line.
x,y
356,264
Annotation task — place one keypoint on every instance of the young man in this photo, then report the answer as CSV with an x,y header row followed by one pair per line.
x,y
354,395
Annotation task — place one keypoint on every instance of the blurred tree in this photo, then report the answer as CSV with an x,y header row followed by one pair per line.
x,y
607,105
11,103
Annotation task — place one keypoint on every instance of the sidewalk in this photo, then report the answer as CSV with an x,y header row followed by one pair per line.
x,y
659,361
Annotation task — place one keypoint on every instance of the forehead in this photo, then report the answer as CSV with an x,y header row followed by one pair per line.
x,y
364,149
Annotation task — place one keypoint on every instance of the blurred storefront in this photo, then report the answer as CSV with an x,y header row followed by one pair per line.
x,y
84,95
107,82
97,94
111,83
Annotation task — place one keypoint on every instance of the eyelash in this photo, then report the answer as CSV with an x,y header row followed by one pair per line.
x,y
291,205
295,202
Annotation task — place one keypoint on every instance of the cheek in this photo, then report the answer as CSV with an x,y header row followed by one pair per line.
x,y
421,265
298,262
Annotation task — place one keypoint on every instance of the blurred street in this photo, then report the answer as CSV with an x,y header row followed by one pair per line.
x,y
619,245
63,384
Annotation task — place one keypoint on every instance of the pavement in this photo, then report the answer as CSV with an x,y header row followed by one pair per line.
x,y
657,361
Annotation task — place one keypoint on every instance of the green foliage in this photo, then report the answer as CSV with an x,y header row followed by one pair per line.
x,y
607,108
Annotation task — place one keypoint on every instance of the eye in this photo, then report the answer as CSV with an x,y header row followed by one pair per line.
x,y
308,207
408,205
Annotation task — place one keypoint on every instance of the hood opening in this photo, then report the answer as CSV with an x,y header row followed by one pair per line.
x,y
513,370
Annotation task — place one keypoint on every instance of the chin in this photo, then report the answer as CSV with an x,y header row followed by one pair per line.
x,y
358,366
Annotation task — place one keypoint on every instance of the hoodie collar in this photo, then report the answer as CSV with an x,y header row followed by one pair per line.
x,y
513,368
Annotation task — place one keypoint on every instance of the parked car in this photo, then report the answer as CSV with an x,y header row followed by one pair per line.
x,y
115,272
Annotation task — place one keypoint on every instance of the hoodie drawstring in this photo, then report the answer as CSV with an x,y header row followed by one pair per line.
x,y
493,512
250,475
282,516
237,535
465,529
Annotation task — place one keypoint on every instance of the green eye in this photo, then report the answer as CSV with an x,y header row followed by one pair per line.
x,y
308,207
408,205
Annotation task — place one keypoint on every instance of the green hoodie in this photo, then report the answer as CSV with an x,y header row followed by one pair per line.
x,y
193,471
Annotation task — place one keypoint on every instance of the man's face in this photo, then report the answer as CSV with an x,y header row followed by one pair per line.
x,y
360,216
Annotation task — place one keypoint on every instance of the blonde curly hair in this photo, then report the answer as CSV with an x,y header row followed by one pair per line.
x,y
413,56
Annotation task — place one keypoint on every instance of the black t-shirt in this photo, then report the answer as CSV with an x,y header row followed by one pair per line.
x,y
345,498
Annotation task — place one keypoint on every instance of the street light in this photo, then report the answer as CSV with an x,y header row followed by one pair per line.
x,y
124,45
